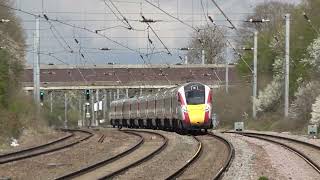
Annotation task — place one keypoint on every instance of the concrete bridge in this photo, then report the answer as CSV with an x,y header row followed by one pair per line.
x,y
126,76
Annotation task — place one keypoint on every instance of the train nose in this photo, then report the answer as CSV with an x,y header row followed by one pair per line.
x,y
196,114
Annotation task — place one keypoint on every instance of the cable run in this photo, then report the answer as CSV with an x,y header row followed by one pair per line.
x,y
156,35
233,26
74,26
172,16
233,48
119,19
71,50
124,18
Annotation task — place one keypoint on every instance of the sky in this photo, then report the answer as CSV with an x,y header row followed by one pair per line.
x,y
58,41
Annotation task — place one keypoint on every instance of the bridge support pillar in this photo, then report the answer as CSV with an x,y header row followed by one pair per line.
x,y
114,95
118,93
92,110
96,122
51,101
65,110
104,107
80,109
109,105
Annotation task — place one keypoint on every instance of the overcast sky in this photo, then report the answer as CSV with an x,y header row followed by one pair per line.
x,y
58,40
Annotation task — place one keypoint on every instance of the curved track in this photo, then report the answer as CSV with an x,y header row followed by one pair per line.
x,y
230,157
200,153
308,152
56,145
102,170
189,162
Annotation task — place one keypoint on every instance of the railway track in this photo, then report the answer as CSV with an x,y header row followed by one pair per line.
x,y
201,150
310,153
59,144
118,164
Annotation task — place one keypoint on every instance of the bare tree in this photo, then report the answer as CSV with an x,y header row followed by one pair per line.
x,y
210,39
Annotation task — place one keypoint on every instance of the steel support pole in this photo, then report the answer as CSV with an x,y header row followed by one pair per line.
x,y
118,93
92,109
65,110
98,105
255,62
84,115
127,93
80,109
140,91
287,67
110,97
36,65
109,105
51,101
227,75
203,57
104,104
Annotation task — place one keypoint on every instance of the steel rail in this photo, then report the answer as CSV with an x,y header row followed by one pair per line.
x,y
189,162
230,158
28,153
106,161
225,166
37,147
144,159
279,137
305,157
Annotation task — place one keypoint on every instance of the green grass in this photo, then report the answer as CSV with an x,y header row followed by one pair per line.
x,y
263,178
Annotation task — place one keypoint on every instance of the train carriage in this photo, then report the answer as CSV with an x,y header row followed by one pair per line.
x,y
186,107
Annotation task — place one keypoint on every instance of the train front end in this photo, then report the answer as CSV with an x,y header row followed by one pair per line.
x,y
196,106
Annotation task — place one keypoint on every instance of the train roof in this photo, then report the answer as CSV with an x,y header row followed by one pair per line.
x,y
156,94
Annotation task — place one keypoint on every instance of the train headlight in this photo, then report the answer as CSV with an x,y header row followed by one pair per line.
x,y
184,109
208,108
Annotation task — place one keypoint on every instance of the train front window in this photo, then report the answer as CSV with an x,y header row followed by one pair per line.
x,y
195,97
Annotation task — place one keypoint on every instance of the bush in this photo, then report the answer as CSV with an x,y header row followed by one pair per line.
x,y
263,178
233,106
302,105
17,111
4,78
316,112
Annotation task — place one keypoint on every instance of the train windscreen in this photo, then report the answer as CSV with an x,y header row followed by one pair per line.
x,y
195,97
195,93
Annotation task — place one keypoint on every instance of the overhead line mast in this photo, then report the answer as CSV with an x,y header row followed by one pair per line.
x,y
287,66
36,66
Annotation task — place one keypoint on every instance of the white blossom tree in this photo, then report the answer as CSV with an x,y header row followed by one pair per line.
x,y
313,55
306,103
304,98
315,114
312,60
271,95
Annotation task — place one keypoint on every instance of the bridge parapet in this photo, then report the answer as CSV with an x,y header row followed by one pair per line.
x,y
127,76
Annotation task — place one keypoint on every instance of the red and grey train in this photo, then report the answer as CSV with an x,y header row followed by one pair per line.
x,y
185,107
